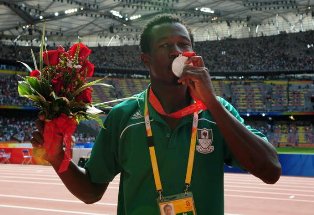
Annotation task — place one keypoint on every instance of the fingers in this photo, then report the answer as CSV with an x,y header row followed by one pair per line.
x,y
194,74
194,68
40,125
37,139
198,80
42,117
196,61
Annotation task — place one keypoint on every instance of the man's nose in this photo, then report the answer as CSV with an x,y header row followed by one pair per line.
x,y
175,51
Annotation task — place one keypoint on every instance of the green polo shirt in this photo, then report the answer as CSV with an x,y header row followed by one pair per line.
x,y
122,148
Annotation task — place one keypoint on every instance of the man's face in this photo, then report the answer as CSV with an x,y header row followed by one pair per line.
x,y
168,210
168,40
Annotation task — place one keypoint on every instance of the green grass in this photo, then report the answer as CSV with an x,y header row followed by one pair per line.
x,y
296,150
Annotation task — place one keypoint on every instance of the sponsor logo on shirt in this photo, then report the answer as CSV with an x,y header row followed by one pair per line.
x,y
137,115
205,140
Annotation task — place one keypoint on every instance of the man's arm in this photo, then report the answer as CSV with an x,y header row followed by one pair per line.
x,y
256,155
252,152
76,179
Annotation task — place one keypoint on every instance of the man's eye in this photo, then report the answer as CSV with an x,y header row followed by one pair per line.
x,y
185,44
165,45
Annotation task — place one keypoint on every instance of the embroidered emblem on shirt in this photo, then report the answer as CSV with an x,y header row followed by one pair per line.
x,y
137,115
205,140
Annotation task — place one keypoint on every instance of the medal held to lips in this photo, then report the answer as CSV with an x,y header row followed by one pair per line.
x,y
179,62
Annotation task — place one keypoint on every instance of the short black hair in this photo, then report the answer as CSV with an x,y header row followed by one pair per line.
x,y
160,19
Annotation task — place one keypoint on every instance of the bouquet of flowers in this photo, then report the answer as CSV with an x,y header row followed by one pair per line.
x,y
62,92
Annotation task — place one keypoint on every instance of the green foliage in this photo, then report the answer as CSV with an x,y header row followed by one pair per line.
x,y
24,88
61,87
34,84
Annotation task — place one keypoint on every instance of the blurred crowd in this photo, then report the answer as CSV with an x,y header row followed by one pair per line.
x,y
279,133
16,129
246,95
19,129
283,52
283,133
8,92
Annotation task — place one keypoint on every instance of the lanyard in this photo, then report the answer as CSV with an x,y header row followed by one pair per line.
x,y
152,152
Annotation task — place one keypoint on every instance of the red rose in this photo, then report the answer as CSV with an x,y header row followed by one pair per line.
x,y
35,73
51,57
85,96
83,50
88,69
57,84
60,49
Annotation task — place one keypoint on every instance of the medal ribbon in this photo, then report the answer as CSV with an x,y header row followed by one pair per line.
x,y
195,107
152,152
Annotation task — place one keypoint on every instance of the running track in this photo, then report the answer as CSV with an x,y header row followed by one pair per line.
x,y
37,190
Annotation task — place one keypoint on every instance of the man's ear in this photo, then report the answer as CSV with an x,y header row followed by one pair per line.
x,y
145,59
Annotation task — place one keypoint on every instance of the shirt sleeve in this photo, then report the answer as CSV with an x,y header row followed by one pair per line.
x,y
103,164
229,159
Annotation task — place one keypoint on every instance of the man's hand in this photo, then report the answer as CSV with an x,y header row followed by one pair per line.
x,y
197,78
75,178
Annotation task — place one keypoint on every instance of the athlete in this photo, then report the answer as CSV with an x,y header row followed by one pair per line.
x,y
172,140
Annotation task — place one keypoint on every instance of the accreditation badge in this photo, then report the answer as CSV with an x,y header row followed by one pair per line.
x,y
180,204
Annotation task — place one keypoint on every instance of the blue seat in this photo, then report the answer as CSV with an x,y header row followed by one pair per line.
x,y
27,157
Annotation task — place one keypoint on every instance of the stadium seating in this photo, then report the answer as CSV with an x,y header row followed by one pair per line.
x,y
4,156
283,52
249,95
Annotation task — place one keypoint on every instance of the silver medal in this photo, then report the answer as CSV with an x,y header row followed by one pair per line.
x,y
178,64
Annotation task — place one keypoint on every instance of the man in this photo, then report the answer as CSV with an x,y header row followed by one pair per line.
x,y
162,143
168,210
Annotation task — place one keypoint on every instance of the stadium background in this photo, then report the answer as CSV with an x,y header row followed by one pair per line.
x,y
260,55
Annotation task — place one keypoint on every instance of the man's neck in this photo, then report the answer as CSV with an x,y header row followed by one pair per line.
x,y
172,98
